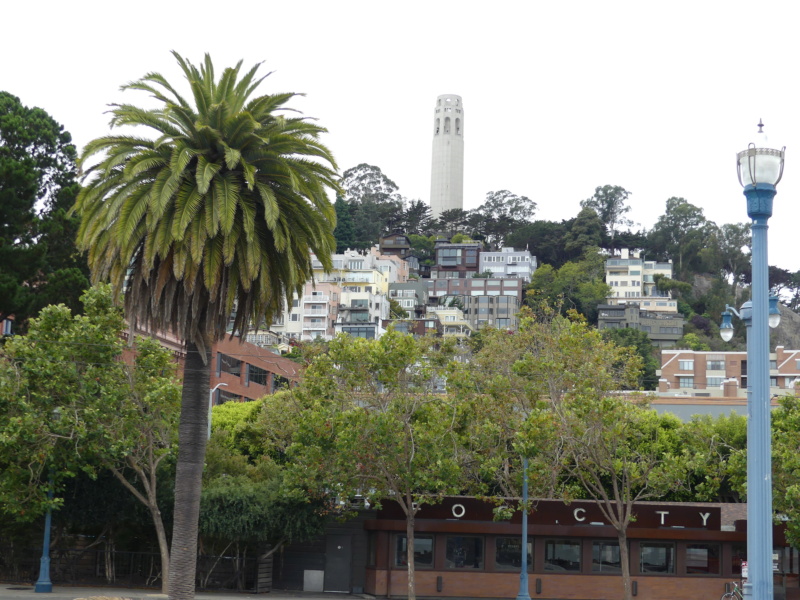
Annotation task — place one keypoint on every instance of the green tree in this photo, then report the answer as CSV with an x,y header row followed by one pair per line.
x,y
374,426
39,263
219,210
417,217
786,464
247,501
52,387
576,285
345,229
608,202
638,341
621,454
731,240
501,213
680,234
114,416
452,221
545,240
715,454
375,203
586,232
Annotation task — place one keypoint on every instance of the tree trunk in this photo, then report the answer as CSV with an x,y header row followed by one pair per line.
x,y
624,559
412,587
192,437
163,547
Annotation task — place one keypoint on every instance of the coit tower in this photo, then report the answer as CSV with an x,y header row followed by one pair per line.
x,y
447,165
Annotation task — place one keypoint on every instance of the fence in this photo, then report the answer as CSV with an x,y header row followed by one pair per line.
x,y
104,566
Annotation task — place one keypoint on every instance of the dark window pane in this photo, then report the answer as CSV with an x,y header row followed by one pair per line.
x,y
464,552
605,557
702,558
423,551
508,553
657,557
562,556
257,375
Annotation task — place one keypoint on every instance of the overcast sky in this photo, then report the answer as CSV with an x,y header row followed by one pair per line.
x,y
559,97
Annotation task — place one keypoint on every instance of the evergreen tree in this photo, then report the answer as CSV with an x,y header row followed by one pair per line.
x,y
344,232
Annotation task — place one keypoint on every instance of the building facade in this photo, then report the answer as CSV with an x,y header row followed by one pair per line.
x,y
447,161
676,550
663,329
693,373
508,263
633,281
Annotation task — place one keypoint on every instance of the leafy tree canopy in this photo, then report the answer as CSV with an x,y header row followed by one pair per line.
x,y
39,263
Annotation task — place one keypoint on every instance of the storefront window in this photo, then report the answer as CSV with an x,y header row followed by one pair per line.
x,y
702,559
605,557
464,552
508,553
657,557
562,556
423,551
738,554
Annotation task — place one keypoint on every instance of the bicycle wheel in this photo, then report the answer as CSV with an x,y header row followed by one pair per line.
x,y
728,596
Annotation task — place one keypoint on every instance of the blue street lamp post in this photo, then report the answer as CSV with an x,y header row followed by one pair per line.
x,y
523,593
43,584
760,170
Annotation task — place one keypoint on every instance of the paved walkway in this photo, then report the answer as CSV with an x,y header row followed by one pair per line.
x,y
10,591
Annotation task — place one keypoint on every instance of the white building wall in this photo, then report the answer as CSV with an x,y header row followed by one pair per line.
x,y
447,164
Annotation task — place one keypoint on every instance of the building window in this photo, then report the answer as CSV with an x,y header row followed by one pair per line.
x,y
224,397
229,364
714,381
449,256
702,559
686,365
257,375
295,317
508,553
715,365
657,557
279,383
738,554
773,365
605,557
562,555
464,552
686,382
362,332
423,551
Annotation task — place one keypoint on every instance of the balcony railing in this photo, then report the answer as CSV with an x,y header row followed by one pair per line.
x,y
325,298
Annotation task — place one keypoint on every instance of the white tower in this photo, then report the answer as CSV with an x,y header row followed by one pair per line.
x,y
447,166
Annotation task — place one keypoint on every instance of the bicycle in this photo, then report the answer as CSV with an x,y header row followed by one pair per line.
x,y
734,594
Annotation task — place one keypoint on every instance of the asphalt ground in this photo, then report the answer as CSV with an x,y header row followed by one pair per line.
x,y
9,591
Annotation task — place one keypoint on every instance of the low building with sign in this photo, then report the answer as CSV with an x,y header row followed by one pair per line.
x,y
677,550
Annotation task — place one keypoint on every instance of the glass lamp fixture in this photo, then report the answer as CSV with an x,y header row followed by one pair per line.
x,y
774,312
760,164
726,327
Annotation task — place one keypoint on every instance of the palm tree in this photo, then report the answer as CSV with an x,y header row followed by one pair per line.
x,y
210,219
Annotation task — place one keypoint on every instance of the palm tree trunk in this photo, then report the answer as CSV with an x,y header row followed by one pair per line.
x,y
192,437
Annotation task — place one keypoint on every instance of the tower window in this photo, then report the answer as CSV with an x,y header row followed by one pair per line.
x,y
447,124
458,126
436,132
